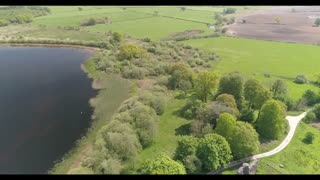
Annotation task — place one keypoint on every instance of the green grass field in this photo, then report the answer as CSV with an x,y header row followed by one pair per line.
x,y
138,22
254,57
297,157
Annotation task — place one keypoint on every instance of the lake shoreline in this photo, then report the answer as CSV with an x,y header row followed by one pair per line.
x,y
48,46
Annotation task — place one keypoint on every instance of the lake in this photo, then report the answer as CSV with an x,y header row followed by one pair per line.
x,y
44,106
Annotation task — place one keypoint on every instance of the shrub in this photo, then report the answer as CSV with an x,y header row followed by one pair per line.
x,y
229,10
310,117
190,108
3,23
162,164
117,36
110,166
316,110
88,22
309,137
301,79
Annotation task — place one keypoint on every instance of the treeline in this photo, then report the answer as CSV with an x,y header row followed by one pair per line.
x,y
21,14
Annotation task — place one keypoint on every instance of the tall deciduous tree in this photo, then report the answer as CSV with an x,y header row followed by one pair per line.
x,y
279,89
205,83
214,152
271,122
255,93
232,83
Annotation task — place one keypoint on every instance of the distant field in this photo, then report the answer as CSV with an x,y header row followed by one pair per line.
x,y
297,158
138,22
254,57
155,28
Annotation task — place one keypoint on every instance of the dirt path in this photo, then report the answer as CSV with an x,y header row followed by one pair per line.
x,y
293,123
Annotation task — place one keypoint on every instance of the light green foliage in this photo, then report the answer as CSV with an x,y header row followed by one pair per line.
x,y
214,152
154,100
226,124
110,166
242,137
270,123
162,164
117,36
310,117
244,141
129,51
3,22
180,73
205,83
301,79
228,100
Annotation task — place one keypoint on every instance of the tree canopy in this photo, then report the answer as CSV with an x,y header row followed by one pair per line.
x,y
205,83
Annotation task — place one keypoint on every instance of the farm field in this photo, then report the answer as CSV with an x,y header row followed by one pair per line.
x,y
255,57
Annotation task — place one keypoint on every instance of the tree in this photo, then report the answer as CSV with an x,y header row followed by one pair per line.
x,y
226,124
187,145
255,93
183,8
310,117
244,140
162,164
180,72
270,123
279,89
277,19
232,84
117,36
317,22
311,97
205,83
241,136
228,100
130,51
229,10
309,137
80,8
214,152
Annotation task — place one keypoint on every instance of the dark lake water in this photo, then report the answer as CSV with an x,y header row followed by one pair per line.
x,y
44,106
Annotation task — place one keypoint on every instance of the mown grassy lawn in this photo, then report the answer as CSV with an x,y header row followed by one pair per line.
x,y
297,157
255,57
170,127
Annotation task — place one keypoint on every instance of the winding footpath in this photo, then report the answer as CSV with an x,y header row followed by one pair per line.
x,y
293,123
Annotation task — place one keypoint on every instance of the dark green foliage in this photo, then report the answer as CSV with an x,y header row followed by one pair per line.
x,y
270,123
311,97
88,22
255,93
162,164
232,84
189,110
229,10
301,79
279,90
187,145
308,139
316,110
310,117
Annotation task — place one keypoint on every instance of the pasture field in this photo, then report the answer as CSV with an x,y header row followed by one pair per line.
x,y
297,158
138,22
255,57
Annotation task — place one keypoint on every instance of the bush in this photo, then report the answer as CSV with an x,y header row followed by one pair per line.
x,y
316,110
317,22
309,137
192,164
157,102
88,22
310,117
162,164
311,97
3,23
117,36
301,79
229,10
190,108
